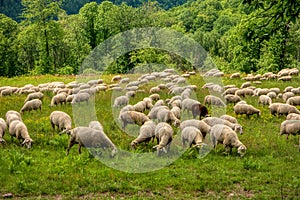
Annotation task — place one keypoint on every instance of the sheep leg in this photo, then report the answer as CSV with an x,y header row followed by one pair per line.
x,y
79,148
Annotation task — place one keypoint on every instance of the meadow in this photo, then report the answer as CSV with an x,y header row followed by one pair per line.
x,y
269,170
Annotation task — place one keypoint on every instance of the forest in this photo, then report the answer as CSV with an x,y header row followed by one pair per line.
x,y
54,37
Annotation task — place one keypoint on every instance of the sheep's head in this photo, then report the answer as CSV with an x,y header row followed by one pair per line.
x,y
238,129
176,123
28,142
133,144
2,140
242,150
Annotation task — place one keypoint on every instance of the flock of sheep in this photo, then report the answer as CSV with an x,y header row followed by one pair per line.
x,y
157,117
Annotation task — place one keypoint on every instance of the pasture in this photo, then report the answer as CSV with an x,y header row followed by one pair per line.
x,y
269,170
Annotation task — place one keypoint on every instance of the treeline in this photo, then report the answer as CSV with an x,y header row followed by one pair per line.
x,y
245,36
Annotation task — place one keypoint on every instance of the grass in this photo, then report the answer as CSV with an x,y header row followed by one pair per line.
x,y
269,170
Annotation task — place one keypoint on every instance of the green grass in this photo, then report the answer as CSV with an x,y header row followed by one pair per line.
x,y
269,170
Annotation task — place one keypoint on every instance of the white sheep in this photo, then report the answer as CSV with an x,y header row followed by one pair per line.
x,y
160,102
165,115
148,102
247,109
132,117
187,104
154,90
140,106
235,75
293,116
121,101
147,132
61,120
223,134
3,127
274,108
290,127
294,101
35,95
201,125
287,95
192,136
81,97
154,97
285,109
264,100
90,138
211,121
116,78
164,135
229,118
58,99
176,111
34,104
153,112
12,115
19,130
96,125
232,98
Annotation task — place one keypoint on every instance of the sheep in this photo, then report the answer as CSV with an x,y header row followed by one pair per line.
x,y
127,108
293,116
90,138
199,124
274,108
294,101
287,95
12,115
164,135
290,127
245,85
192,136
188,103
121,101
245,91
3,127
116,78
176,103
230,91
132,117
229,118
96,125
199,110
213,100
285,109
176,111
153,112
148,102
70,98
211,121
285,78
19,130
154,97
130,94
165,115
235,75
264,100
272,95
147,132
58,99
247,109
62,120
81,97
159,103
154,90
232,98
140,106
32,105
223,134
35,95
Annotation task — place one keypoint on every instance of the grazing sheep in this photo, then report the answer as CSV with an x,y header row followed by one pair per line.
x,y
154,97
140,106
211,121
62,120
264,100
32,105
230,91
130,94
148,102
213,100
154,90
199,110
285,78
127,108
132,117
3,127
153,112
70,98
235,75
159,103
147,132
188,103
81,97
19,130
199,124
294,101
176,111
290,127
272,95
12,115
229,118
121,101
165,115
247,109
175,103
164,135
223,134
192,136
35,95
285,109
116,78
287,95
245,91
90,138
274,108
58,99
232,98
293,116
96,125
246,84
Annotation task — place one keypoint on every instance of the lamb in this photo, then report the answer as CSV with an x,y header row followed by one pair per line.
x,y
247,109
58,99
192,136
211,121
201,125
32,105
35,95
199,110
223,134
121,101
264,100
81,97
90,138
165,115
232,98
132,117
290,127
96,125
62,120
147,132
3,127
229,118
19,130
164,135
294,101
